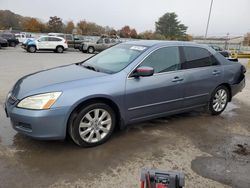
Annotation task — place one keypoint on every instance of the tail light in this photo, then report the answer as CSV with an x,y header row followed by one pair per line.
x,y
243,69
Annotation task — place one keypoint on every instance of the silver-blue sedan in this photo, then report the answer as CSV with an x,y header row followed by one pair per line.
x,y
125,84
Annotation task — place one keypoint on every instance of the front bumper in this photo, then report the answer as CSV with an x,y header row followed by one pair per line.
x,y
40,124
4,44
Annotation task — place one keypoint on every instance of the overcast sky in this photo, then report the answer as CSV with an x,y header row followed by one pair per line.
x,y
228,16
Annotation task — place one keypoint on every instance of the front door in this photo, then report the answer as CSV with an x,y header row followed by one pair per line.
x,y
42,43
158,94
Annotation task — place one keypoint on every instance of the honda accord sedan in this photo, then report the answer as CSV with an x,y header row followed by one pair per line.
x,y
125,84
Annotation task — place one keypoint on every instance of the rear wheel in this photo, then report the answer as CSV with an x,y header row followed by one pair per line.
x,y
59,49
93,125
32,49
91,50
219,100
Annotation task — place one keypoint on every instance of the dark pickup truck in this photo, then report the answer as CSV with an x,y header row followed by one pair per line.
x,y
11,38
3,42
74,41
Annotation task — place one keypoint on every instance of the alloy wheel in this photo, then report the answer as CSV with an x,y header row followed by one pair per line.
x,y
95,125
220,100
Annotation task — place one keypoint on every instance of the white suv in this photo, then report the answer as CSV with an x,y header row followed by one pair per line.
x,y
57,44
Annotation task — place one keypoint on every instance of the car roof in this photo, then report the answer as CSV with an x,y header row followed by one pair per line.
x,y
52,37
159,43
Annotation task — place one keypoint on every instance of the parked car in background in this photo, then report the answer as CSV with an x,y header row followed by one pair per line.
x,y
26,42
127,83
10,37
74,41
221,50
3,42
52,43
21,37
99,45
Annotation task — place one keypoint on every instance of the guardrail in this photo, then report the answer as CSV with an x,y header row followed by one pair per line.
x,y
240,55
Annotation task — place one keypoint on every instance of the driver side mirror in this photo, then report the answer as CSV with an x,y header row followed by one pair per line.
x,y
143,72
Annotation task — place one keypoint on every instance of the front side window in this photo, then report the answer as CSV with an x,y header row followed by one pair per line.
x,y
196,57
163,60
100,41
43,39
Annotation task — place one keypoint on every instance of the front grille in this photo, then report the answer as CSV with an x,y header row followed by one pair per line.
x,y
25,126
12,99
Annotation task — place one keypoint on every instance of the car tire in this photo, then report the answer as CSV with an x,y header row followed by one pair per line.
x,y
92,125
12,44
91,50
59,49
84,51
32,49
219,100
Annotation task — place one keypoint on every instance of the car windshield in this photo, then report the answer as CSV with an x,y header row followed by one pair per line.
x,y
114,59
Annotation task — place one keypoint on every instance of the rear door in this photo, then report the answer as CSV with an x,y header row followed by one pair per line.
x,y
158,94
203,74
53,42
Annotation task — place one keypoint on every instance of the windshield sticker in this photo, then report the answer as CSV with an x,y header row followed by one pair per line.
x,y
139,48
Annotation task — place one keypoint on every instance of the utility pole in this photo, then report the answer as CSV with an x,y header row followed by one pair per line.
x,y
208,20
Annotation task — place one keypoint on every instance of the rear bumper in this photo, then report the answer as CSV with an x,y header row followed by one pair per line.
x,y
39,124
236,88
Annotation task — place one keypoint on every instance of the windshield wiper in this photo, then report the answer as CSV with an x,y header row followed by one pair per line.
x,y
90,67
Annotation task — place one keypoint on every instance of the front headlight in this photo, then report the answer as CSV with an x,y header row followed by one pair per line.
x,y
39,102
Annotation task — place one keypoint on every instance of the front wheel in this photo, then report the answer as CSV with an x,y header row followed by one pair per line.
x,y
219,100
12,44
91,50
32,49
93,125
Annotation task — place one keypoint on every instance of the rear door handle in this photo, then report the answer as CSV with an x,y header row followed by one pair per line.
x,y
216,72
177,79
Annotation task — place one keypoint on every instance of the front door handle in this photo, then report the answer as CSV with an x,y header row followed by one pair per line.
x,y
216,72
177,79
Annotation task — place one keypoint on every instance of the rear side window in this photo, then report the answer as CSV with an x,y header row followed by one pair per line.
x,y
163,60
69,37
43,39
107,41
197,57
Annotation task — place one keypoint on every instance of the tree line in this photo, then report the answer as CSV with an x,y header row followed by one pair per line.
x,y
168,27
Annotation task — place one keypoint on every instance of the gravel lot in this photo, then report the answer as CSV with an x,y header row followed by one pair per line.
x,y
211,151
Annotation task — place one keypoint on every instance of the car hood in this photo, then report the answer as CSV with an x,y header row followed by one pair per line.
x,y
2,40
50,77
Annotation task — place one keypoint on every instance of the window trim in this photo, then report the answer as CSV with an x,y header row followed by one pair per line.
x,y
184,59
155,74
